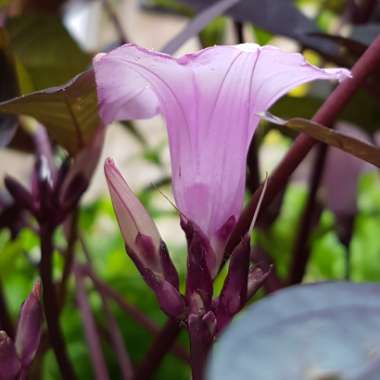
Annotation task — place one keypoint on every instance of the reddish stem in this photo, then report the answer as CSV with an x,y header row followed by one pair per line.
x,y
159,348
116,340
50,304
91,334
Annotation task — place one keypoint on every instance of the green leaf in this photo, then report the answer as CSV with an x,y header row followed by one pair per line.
x,y
69,112
214,33
46,50
262,37
348,144
9,250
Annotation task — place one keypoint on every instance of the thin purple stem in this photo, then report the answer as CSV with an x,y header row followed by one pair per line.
x,y
301,252
108,7
200,343
69,255
239,31
90,331
253,180
50,303
367,64
117,343
132,311
159,348
198,361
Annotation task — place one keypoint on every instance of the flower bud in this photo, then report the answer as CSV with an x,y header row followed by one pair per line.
x,y
20,194
256,278
10,365
198,282
84,163
234,293
140,234
169,298
29,327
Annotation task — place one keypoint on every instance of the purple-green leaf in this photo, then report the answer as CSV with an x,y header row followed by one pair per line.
x,y
348,144
68,112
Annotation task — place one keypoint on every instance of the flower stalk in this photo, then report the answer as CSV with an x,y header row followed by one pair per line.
x,y
50,303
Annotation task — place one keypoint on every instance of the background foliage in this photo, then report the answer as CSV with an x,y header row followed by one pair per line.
x,y
37,52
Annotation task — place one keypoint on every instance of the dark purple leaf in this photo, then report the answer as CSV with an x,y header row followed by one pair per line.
x,y
280,17
365,34
197,24
318,331
198,280
356,48
234,292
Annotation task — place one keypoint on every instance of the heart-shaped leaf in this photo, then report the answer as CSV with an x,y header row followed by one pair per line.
x,y
47,52
69,112
308,332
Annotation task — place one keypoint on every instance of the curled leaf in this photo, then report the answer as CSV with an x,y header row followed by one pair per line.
x,y
348,144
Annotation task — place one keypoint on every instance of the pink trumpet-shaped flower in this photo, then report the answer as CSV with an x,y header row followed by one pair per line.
x,y
209,100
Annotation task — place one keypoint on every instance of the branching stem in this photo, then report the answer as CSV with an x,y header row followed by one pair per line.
x,y
50,303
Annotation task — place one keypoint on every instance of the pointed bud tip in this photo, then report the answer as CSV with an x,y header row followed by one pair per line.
x,y
4,338
98,57
134,220
109,163
36,291
110,168
43,170
211,322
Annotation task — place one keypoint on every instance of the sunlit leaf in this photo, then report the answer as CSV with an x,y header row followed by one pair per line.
x,y
46,50
69,112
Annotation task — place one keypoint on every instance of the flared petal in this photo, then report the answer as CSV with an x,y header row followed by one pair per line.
x,y
209,101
